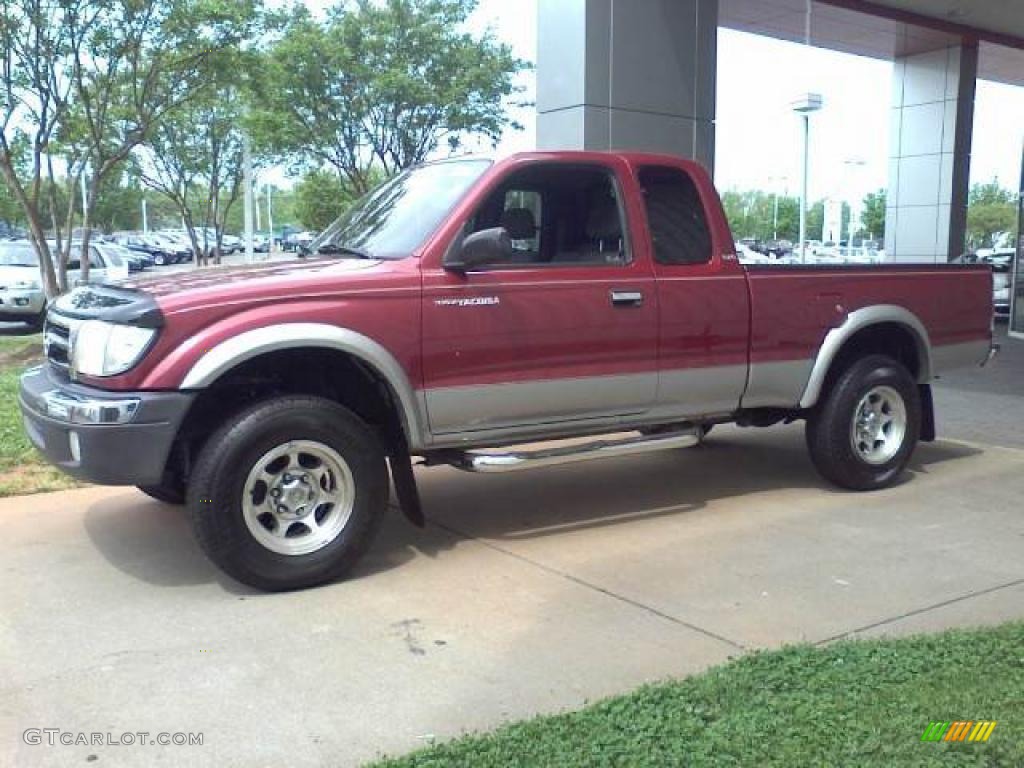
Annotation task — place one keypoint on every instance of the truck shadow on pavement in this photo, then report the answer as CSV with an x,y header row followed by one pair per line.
x,y
153,542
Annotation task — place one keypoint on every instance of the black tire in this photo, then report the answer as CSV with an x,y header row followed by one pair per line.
x,y
169,492
216,488
836,448
160,260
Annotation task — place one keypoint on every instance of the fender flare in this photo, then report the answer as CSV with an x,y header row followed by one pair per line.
x,y
856,321
231,352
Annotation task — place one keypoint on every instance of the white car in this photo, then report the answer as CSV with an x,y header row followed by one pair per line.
x,y
21,295
748,255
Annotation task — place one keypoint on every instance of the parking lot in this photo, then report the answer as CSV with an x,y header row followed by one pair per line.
x,y
526,593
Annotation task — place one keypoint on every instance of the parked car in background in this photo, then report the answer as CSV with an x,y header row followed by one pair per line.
x,y
1001,261
753,244
105,264
232,244
747,255
136,261
21,294
160,253
778,248
177,242
296,241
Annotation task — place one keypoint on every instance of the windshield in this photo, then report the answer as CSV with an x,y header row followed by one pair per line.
x,y
18,255
393,220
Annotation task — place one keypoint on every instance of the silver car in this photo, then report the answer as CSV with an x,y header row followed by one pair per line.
x,y
21,293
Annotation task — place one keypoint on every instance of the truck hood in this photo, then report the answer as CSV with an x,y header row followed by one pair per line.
x,y
169,284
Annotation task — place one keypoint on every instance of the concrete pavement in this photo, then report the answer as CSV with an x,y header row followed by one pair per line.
x,y
526,594
986,405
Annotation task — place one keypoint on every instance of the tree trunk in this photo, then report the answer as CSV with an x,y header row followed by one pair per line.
x,y
35,228
90,204
200,253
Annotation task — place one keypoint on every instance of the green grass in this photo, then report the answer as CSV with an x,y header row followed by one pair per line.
x,y
852,703
22,469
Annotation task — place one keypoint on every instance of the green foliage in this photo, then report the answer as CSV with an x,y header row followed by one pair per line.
x,y
872,217
863,703
22,469
380,84
322,196
991,215
87,81
751,213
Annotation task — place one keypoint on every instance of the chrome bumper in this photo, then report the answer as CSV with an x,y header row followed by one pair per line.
x,y
76,409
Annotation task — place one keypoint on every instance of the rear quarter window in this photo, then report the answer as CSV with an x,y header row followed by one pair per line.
x,y
675,216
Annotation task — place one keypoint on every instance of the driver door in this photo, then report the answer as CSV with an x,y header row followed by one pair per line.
x,y
564,330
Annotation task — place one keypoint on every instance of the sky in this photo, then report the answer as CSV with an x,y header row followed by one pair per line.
x,y
758,138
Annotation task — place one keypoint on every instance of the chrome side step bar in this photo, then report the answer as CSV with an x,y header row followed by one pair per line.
x,y
511,461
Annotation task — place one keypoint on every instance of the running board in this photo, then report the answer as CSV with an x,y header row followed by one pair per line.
x,y
511,461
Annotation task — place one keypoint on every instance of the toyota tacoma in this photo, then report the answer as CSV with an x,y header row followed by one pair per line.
x,y
478,314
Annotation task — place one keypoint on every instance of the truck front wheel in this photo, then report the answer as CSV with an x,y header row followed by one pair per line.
x,y
862,434
289,494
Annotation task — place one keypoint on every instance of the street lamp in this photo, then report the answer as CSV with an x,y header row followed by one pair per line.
x,y
805,105
852,164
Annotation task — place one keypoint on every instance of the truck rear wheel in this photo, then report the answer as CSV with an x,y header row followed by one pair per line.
x,y
862,434
289,494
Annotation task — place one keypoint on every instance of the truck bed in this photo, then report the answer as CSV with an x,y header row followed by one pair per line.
x,y
793,307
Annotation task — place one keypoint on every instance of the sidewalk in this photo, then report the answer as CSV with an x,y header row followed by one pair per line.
x,y
526,594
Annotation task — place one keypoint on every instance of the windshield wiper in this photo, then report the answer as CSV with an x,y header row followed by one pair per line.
x,y
333,249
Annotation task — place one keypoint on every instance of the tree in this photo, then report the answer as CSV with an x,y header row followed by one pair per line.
x,y
381,84
872,217
90,79
991,215
322,196
195,157
751,213
34,101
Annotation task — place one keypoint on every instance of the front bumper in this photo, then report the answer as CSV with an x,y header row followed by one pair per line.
x,y
110,438
21,303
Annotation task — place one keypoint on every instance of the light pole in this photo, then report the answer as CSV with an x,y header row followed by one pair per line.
x,y
852,164
805,106
270,216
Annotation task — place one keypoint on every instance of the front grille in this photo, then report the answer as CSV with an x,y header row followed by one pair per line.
x,y
57,341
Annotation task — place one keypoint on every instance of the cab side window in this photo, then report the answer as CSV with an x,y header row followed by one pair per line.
x,y
675,216
558,215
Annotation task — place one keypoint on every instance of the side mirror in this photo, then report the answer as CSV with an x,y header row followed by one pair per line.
x,y
488,246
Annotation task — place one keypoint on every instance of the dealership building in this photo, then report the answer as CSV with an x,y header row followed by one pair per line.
x,y
640,74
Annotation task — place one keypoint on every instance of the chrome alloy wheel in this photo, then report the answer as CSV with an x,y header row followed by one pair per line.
x,y
879,425
298,497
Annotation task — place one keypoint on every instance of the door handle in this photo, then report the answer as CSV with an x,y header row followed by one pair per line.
x,y
627,298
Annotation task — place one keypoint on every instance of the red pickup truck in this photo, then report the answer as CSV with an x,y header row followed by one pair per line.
x,y
464,309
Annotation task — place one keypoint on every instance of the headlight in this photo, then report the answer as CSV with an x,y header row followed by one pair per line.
x,y
26,285
100,348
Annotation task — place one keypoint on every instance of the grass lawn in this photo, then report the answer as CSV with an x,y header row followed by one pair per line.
x,y
22,469
852,703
